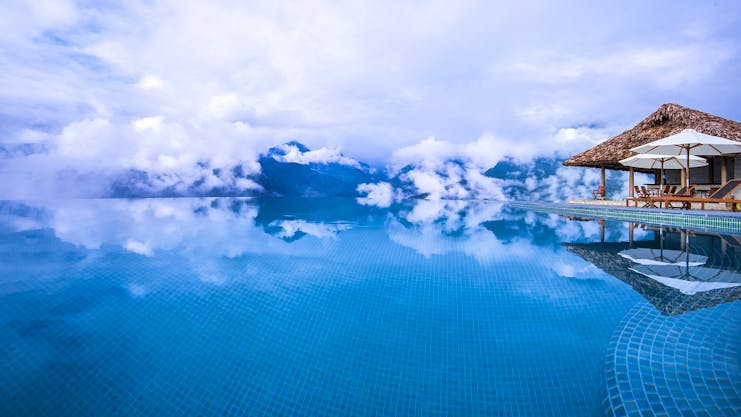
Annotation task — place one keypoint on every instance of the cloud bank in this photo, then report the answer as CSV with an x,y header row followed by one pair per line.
x,y
177,89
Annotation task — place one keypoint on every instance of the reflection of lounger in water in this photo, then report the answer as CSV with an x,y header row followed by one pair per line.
x,y
690,280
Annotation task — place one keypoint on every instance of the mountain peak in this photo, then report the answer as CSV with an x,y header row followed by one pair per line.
x,y
284,149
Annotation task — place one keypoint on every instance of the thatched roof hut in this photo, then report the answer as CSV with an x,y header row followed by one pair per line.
x,y
667,120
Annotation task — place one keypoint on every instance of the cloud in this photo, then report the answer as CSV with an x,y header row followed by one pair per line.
x,y
667,66
381,194
147,123
442,169
164,86
138,247
150,82
291,153
290,228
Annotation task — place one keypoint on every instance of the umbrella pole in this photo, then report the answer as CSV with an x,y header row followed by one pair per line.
x,y
688,169
661,180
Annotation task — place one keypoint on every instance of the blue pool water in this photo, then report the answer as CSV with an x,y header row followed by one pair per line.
x,y
330,307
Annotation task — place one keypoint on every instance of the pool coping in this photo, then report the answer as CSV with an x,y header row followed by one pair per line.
x,y
713,221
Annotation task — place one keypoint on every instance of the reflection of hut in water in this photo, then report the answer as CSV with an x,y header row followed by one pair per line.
x,y
666,299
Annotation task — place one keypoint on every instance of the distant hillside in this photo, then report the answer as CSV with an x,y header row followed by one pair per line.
x,y
546,179
292,170
288,170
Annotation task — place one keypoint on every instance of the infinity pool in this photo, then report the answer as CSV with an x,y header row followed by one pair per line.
x,y
329,307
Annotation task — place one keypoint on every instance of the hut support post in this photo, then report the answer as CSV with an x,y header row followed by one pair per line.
x,y
684,178
602,179
723,170
631,182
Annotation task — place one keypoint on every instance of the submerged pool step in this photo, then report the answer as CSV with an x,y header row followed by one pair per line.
x,y
672,365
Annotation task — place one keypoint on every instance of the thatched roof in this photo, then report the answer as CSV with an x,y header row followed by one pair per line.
x,y
666,121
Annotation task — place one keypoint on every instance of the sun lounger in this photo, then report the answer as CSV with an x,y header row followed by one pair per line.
x,y
720,196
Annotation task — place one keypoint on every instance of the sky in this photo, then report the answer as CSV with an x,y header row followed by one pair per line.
x,y
158,86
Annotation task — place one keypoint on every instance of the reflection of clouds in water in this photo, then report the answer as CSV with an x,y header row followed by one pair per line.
x,y
203,232
138,247
439,227
137,290
575,268
290,228
442,227
569,230
207,234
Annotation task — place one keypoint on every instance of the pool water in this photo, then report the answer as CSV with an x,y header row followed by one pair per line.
x,y
329,307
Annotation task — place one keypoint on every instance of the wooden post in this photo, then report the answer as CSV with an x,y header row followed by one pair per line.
x,y
683,180
602,181
723,170
631,182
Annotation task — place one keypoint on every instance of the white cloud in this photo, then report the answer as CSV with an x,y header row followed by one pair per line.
x,y
147,123
445,170
381,194
291,153
320,230
138,247
667,66
150,82
231,79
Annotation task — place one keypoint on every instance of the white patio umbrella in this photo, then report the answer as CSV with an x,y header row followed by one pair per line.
x,y
690,141
654,161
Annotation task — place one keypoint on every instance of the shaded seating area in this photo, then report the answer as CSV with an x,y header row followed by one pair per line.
x,y
694,149
684,197
723,195
648,198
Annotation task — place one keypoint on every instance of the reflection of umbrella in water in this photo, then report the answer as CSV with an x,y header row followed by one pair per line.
x,y
659,256
647,256
690,280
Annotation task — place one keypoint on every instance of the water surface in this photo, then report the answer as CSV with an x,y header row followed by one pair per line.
x,y
330,307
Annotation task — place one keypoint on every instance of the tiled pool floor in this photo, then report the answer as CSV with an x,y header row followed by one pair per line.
x,y
231,307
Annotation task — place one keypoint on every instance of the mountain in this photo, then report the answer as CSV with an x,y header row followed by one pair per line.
x,y
204,181
287,170
546,179
293,170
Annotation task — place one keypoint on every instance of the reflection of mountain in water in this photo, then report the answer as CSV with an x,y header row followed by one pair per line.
x,y
672,289
293,218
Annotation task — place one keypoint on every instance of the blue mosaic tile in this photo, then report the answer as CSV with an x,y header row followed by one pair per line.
x,y
219,312
726,222
696,374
